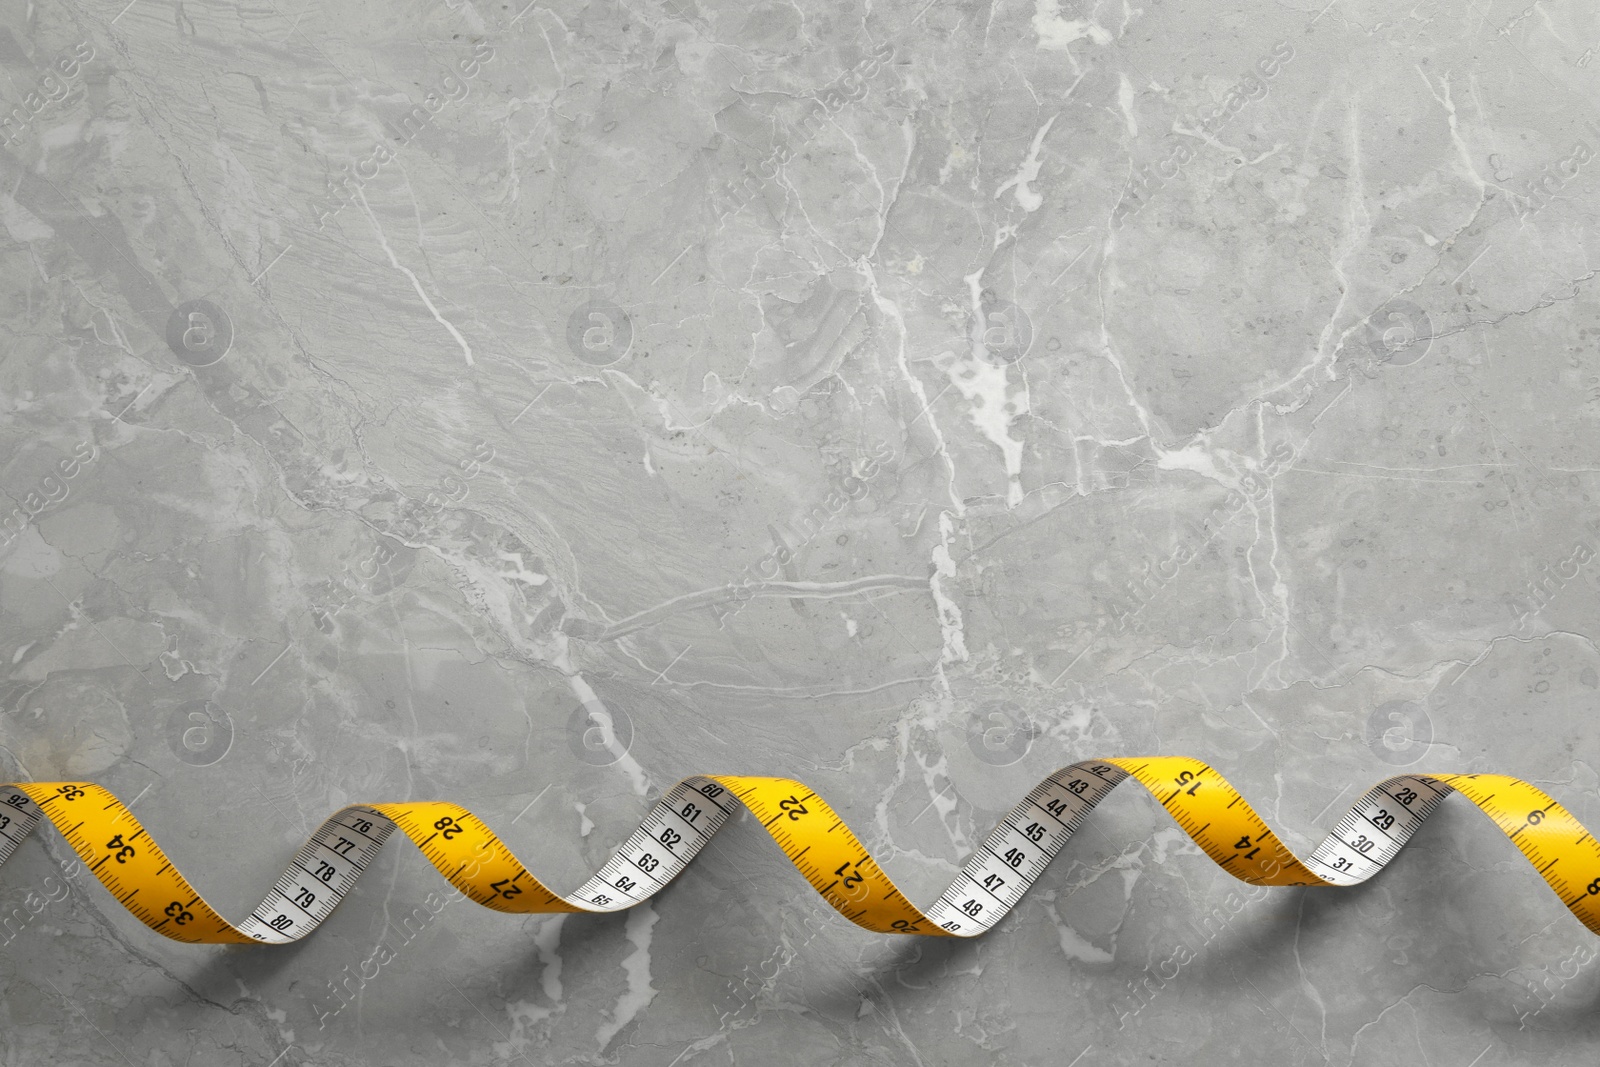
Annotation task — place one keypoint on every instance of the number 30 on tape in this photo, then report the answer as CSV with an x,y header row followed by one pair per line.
x,y
130,864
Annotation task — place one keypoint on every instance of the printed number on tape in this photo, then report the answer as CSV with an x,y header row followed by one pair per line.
x,y
131,865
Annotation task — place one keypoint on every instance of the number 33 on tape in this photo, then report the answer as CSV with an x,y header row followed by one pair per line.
x,y
133,868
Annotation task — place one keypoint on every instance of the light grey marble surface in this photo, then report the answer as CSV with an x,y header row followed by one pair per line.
x,y
909,398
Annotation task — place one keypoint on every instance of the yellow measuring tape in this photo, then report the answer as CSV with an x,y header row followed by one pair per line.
x,y
129,863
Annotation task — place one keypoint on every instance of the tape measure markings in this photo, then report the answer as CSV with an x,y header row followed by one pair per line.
x,y
992,881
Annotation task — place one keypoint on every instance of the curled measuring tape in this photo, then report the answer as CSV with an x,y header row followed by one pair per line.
x,y
130,864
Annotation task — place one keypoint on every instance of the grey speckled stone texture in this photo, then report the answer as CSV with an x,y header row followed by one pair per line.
x,y
910,398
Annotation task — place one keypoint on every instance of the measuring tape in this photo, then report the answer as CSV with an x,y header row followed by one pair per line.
x,y
128,862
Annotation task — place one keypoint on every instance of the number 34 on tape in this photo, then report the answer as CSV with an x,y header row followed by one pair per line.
x,y
133,868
